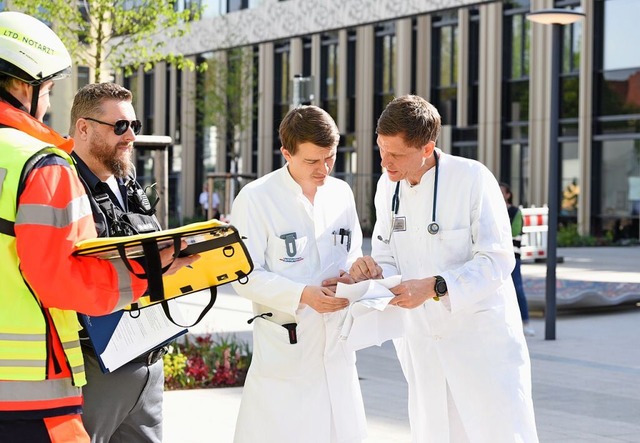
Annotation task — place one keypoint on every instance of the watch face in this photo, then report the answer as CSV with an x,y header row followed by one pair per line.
x,y
441,287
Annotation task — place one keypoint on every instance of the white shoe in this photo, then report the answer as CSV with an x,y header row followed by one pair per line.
x,y
528,331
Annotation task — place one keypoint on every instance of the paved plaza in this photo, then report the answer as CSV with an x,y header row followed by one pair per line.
x,y
585,383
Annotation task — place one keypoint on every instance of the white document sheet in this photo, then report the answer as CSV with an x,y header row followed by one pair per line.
x,y
135,336
370,321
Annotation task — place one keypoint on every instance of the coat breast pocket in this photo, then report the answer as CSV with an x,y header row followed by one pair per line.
x,y
287,252
273,354
454,246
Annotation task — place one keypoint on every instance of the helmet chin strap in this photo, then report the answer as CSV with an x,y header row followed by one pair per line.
x,y
34,100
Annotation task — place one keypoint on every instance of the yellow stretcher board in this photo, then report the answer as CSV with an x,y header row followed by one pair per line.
x,y
223,258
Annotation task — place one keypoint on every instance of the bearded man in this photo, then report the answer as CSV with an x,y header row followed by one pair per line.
x,y
126,404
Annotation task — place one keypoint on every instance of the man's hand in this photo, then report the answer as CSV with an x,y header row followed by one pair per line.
x,y
332,283
322,300
365,268
166,255
413,293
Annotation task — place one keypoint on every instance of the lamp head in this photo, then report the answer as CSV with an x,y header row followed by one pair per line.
x,y
555,16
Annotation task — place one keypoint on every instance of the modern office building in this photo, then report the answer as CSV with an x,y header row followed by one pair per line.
x,y
483,64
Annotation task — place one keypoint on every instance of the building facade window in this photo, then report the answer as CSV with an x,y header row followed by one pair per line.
x,y
175,150
616,151
329,74
255,111
384,66
444,47
346,158
208,107
329,77
465,139
83,76
515,98
474,66
148,124
131,83
351,83
383,77
307,52
568,112
281,95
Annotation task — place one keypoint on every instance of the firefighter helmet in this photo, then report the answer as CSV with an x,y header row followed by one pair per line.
x,y
30,51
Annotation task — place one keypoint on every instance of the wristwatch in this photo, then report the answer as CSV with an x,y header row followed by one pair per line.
x,y
440,287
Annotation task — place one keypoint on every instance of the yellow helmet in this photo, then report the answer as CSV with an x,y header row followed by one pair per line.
x,y
30,51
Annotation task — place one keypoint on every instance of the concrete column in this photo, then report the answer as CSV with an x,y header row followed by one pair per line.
x,y
316,49
445,141
364,123
463,68
138,100
173,103
188,130
403,57
265,109
423,57
585,145
490,86
160,98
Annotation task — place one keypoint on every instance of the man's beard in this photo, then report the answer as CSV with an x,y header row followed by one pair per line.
x,y
108,155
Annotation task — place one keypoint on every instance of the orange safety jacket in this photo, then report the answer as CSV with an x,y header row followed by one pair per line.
x,y
44,212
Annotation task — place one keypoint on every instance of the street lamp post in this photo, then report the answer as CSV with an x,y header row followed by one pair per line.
x,y
556,18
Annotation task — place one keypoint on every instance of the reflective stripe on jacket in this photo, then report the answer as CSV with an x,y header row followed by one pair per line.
x,y
41,364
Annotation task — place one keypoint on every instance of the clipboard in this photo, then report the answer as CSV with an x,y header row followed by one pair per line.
x,y
224,258
118,338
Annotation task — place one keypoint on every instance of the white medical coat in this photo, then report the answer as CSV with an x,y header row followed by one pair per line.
x,y
467,349
305,392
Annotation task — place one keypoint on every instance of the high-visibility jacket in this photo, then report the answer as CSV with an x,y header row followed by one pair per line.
x,y
44,212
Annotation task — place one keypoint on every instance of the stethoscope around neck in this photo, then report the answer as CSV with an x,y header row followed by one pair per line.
x,y
433,227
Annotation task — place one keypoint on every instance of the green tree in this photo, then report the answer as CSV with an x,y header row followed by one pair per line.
x,y
124,33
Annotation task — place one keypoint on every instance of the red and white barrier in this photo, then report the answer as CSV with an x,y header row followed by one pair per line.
x,y
534,233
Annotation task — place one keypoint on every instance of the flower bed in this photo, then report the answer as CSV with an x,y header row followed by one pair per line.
x,y
205,362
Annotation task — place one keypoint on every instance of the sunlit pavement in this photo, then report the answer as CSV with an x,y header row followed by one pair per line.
x,y
585,383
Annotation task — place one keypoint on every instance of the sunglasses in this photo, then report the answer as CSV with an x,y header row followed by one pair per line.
x,y
120,126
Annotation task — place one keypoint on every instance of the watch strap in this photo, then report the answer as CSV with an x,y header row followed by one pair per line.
x,y
438,282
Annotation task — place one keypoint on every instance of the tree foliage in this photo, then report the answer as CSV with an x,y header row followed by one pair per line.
x,y
118,33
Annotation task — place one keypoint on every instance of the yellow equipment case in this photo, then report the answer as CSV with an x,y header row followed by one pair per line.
x,y
223,259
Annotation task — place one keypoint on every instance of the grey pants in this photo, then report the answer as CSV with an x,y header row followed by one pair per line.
x,y
124,406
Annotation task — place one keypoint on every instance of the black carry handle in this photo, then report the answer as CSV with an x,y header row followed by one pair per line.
x,y
154,269
213,293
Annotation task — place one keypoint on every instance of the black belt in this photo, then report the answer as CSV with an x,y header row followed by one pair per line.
x,y
151,357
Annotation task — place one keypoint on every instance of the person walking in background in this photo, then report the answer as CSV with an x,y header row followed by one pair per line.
x,y
126,404
570,193
441,223
204,202
515,216
302,231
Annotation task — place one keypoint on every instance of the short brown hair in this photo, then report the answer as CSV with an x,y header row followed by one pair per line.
x,y
89,99
308,124
412,117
